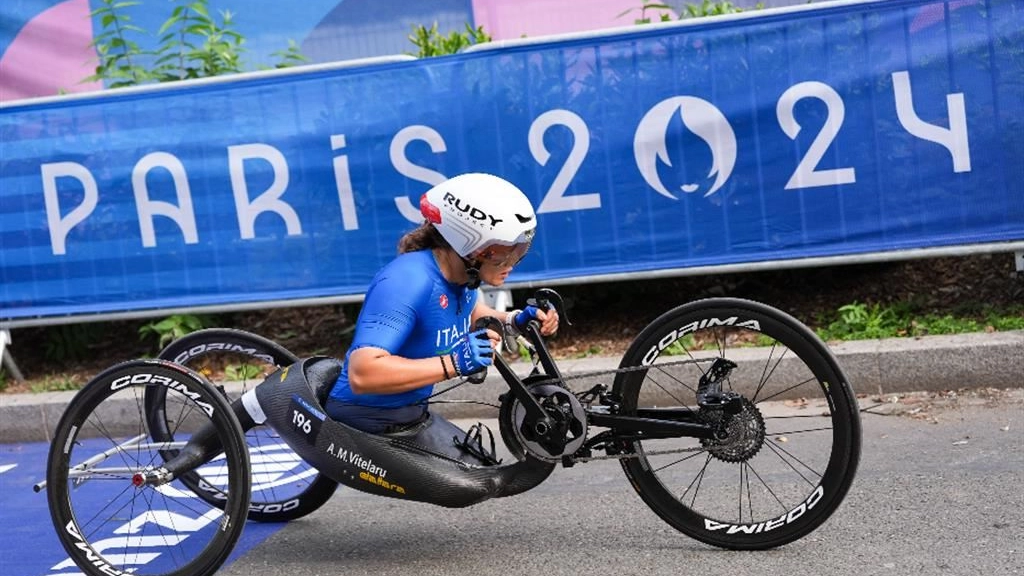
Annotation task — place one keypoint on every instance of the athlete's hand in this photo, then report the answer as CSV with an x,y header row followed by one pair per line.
x,y
474,352
548,319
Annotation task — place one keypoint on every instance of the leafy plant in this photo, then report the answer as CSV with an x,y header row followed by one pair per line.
x,y
242,372
55,384
1000,321
644,18
290,56
429,42
861,321
705,8
192,44
591,351
173,327
713,8
119,56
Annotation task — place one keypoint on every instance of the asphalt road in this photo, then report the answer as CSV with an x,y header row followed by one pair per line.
x,y
939,491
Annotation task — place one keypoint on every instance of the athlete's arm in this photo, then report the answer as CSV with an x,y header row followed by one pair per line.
x,y
389,315
377,371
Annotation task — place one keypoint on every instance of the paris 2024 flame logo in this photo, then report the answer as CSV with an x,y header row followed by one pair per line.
x,y
704,120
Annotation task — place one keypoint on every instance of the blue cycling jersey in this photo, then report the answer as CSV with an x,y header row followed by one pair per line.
x,y
412,311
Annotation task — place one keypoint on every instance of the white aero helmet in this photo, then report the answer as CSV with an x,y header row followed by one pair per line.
x,y
473,211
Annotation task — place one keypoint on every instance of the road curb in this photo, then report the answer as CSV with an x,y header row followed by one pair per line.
x,y
894,365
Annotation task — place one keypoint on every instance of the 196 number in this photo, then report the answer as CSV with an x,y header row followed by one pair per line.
x,y
301,422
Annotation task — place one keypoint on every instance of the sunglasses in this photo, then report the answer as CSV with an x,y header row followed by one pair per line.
x,y
502,257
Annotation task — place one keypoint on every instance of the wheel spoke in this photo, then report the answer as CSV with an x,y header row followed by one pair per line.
x,y
808,430
749,473
681,460
780,392
159,525
90,521
766,375
779,451
129,519
767,487
750,501
667,391
739,499
696,480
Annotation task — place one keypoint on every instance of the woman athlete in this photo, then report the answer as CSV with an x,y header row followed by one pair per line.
x,y
415,326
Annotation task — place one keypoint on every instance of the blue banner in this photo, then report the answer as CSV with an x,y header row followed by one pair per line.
x,y
848,128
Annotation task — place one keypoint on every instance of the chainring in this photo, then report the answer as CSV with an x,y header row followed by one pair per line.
x,y
561,405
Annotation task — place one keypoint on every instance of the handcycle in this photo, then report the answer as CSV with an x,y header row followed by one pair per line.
x,y
731,419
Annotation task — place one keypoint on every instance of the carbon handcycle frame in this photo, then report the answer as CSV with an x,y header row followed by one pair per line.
x,y
733,422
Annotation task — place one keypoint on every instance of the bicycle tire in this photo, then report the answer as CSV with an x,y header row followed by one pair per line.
x,y
773,481
285,487
109,524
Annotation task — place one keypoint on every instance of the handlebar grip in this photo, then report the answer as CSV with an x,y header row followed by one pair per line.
x,y
547,299
542,303
480,375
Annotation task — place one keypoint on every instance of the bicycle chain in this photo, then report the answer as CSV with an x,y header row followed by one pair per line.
x,y
626,370
580,376
598,373
626,456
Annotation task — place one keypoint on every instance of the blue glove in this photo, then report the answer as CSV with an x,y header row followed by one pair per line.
x,y
472,353
524,316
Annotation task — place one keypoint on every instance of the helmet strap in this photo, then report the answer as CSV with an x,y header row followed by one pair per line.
x,y
473,272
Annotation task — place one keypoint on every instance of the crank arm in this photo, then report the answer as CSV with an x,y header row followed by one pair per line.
x,y
518,389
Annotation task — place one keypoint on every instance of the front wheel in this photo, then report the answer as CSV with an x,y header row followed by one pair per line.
x,y
788,447
109,498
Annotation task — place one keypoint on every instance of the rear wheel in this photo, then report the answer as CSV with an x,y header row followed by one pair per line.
x,y
789,446
110,517
284,486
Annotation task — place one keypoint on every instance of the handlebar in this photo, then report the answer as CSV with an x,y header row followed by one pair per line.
x,y
546,299
531,339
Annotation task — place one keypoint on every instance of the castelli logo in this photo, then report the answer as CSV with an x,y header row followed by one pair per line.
x,y
444,301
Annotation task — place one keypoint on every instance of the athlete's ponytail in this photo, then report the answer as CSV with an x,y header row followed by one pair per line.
x,y
424,237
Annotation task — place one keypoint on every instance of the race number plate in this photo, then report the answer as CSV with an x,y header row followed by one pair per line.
x,y
305,419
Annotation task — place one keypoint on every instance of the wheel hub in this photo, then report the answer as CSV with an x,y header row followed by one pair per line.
x,y
741,434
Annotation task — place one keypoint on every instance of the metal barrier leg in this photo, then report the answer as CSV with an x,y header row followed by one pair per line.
x,y
500,299
1019,258
6,358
